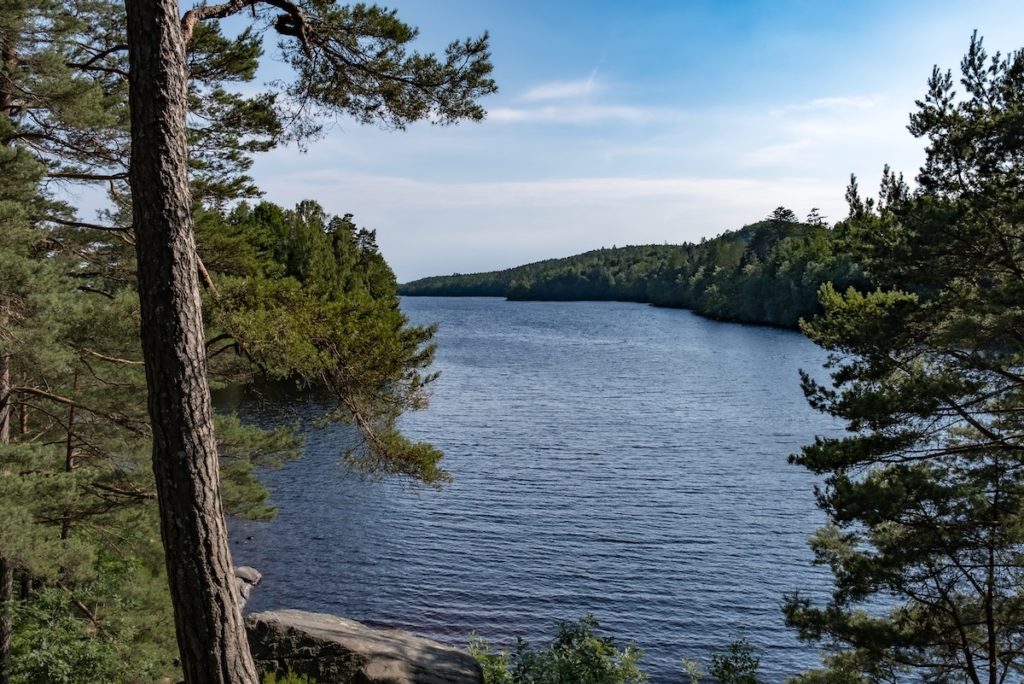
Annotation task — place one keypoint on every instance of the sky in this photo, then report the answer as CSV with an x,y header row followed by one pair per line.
x,y
638,122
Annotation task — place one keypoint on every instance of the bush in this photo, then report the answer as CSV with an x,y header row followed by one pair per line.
x,y
738,664
576,656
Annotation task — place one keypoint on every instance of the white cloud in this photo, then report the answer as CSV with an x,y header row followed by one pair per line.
x,y
775,155
568,102
817,132
560,90
576,114
840,103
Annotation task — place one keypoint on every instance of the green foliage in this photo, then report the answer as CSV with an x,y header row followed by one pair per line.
x,y
692,670
576,656
319,306
738,664
242,449
768,272
57,640
54,645
290,678
925,496
390,87
77,519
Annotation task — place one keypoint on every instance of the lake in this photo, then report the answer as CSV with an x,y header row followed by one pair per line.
x,y
609,458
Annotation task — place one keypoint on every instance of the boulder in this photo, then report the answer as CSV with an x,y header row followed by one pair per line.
x,y
245,579
334,650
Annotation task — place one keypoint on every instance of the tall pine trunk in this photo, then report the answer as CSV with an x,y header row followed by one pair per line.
x,y
6,623
5,389
6,569
211,634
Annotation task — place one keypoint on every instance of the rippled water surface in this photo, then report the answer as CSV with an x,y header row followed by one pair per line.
x,y
609,458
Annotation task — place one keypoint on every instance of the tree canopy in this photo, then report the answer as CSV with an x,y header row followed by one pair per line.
x,y
926,493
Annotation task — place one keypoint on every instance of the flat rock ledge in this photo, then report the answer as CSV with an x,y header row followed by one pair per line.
x,y
334,650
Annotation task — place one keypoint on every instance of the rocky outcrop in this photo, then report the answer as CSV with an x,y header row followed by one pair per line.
x,y
245,579
334,650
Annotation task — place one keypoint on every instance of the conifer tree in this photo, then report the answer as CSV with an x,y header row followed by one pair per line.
x,y
350,60
64,82
925,498
75,386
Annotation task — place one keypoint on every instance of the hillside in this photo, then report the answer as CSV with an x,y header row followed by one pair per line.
x,y
767,272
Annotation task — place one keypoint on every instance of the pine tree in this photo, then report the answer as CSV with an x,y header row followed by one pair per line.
x,y
330,320
388,86
75,484
925,498
74,386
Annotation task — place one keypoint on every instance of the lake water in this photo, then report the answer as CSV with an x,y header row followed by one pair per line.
x,y
609,458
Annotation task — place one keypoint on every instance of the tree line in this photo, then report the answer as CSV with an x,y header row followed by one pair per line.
x,y
768,272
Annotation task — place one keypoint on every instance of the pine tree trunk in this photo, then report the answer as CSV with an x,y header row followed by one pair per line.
x,y
6,570
5,391
211,634
69,461
6,624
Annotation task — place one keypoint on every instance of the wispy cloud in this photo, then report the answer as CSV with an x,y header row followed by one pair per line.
x,y
576,114
807,132
775,155
571,102
840,103
560,90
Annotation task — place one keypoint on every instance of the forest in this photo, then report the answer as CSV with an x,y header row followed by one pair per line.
x,y
116,474
768,272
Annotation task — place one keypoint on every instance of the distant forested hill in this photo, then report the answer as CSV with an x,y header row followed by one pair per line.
x,y
768,272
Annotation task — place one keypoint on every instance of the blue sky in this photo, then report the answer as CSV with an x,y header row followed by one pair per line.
x,y
626,123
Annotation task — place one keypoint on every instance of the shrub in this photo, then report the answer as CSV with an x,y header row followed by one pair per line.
x,y
576,656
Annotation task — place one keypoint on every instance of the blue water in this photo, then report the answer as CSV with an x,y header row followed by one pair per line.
x,y
609,458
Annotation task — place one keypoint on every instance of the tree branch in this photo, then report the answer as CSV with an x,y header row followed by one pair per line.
x,y
43,394
86,288
84,609
106,70
204,277
291,23
198,14
100,55
111,359
89,176
81,224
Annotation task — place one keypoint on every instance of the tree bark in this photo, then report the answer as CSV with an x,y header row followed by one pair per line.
x,y
69,460
6,623
6,570
5,391
211,634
